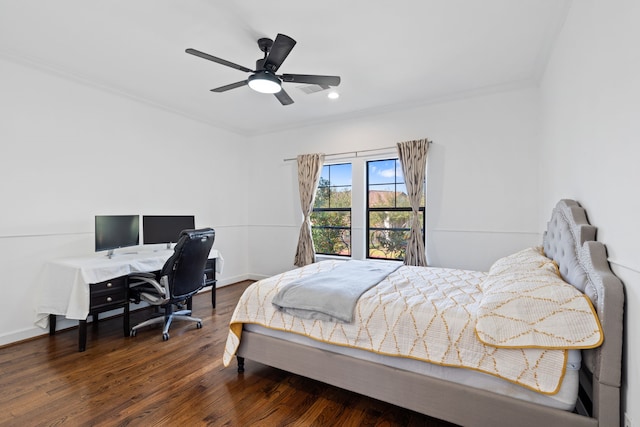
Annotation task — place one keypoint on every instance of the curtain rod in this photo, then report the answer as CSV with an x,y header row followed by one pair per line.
x,y
351,152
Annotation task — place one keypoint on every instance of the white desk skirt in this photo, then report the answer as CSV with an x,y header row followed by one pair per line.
x,y
65,286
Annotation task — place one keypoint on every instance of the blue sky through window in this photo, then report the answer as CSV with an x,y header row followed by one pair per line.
x,y
385,172
337,174
380,172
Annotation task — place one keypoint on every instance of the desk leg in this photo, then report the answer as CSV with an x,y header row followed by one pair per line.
x,y
52,324
125,319
82,335
213,282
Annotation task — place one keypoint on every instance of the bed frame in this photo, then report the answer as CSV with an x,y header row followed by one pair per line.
x,y
570,241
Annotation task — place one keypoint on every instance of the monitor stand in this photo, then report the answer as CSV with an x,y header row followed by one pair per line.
x,y
111,253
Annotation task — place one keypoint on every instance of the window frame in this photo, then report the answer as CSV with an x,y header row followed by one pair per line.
x,y
336,209
368,209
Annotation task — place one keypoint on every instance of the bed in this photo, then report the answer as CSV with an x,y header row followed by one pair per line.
x,y
583,389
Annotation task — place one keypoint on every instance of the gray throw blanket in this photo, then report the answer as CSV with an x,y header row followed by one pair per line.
x,y
332,295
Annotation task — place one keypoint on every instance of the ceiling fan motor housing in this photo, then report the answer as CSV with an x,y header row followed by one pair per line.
x,y
265,45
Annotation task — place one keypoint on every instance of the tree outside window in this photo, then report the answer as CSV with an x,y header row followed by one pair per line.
x,y
331,216
388,210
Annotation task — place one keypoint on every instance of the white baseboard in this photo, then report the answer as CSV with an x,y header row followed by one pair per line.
x,y
240,278
21,335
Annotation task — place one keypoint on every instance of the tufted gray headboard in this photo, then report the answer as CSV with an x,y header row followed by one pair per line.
x,y
566,232
582,261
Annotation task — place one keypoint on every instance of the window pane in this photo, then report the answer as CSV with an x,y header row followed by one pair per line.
x,y
399,175
331,219
331,232
340,174
341,197
402,198
389,244
389,232
381,172
324,175
322,198
390,219
382,196
332,241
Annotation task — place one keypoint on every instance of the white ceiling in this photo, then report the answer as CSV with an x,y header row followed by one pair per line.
x,y
390,54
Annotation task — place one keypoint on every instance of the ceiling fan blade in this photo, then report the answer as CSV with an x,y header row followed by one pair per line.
x,y
311,79
279,52
283,97
218,60
229,87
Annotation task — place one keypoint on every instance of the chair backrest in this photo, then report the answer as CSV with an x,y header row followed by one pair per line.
x,y
185,268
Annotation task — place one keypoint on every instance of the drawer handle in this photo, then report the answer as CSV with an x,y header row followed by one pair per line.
x,y
109,285
109,299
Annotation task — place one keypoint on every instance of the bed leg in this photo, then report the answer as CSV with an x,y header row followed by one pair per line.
x,y
240,364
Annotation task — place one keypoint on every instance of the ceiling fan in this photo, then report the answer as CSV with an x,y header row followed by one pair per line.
x,y
264,78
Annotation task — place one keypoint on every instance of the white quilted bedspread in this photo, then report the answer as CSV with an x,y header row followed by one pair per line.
x,y
421,313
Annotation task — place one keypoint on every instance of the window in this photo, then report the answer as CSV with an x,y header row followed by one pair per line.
x,y
388,210
331,216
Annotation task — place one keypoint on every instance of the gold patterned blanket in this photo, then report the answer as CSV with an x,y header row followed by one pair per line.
x,y
420,313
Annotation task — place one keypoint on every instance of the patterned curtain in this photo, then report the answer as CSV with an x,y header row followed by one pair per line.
x,y
309,168
413,158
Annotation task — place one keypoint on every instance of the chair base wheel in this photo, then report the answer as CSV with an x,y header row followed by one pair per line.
x,y
133,332
199,325
165,336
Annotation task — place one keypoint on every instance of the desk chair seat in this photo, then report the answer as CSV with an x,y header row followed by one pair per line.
x,y
171,289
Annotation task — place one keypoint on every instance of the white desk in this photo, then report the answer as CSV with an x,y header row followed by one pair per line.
x,y
66,289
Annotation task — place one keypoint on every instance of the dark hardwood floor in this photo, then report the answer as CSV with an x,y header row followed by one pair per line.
x,y
144,381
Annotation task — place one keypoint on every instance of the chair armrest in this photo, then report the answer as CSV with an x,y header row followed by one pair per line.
x,y
137,279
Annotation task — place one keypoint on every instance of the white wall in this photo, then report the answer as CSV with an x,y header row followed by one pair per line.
x,y
590,144
481,180
70,151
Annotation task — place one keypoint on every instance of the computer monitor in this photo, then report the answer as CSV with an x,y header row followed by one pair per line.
x,y
116,231
165,228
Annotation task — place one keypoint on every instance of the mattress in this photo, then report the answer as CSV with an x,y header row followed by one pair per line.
x,y
565,398
426,314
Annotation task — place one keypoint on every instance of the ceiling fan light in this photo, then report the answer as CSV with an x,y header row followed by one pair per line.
x,y
264,82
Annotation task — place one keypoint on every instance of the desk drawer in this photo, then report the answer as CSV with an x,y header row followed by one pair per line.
x,y
109,292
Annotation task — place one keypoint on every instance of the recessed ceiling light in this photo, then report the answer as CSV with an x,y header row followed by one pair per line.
x,y
333,95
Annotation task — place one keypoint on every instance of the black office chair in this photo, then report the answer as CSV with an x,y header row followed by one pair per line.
x,y
180,278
